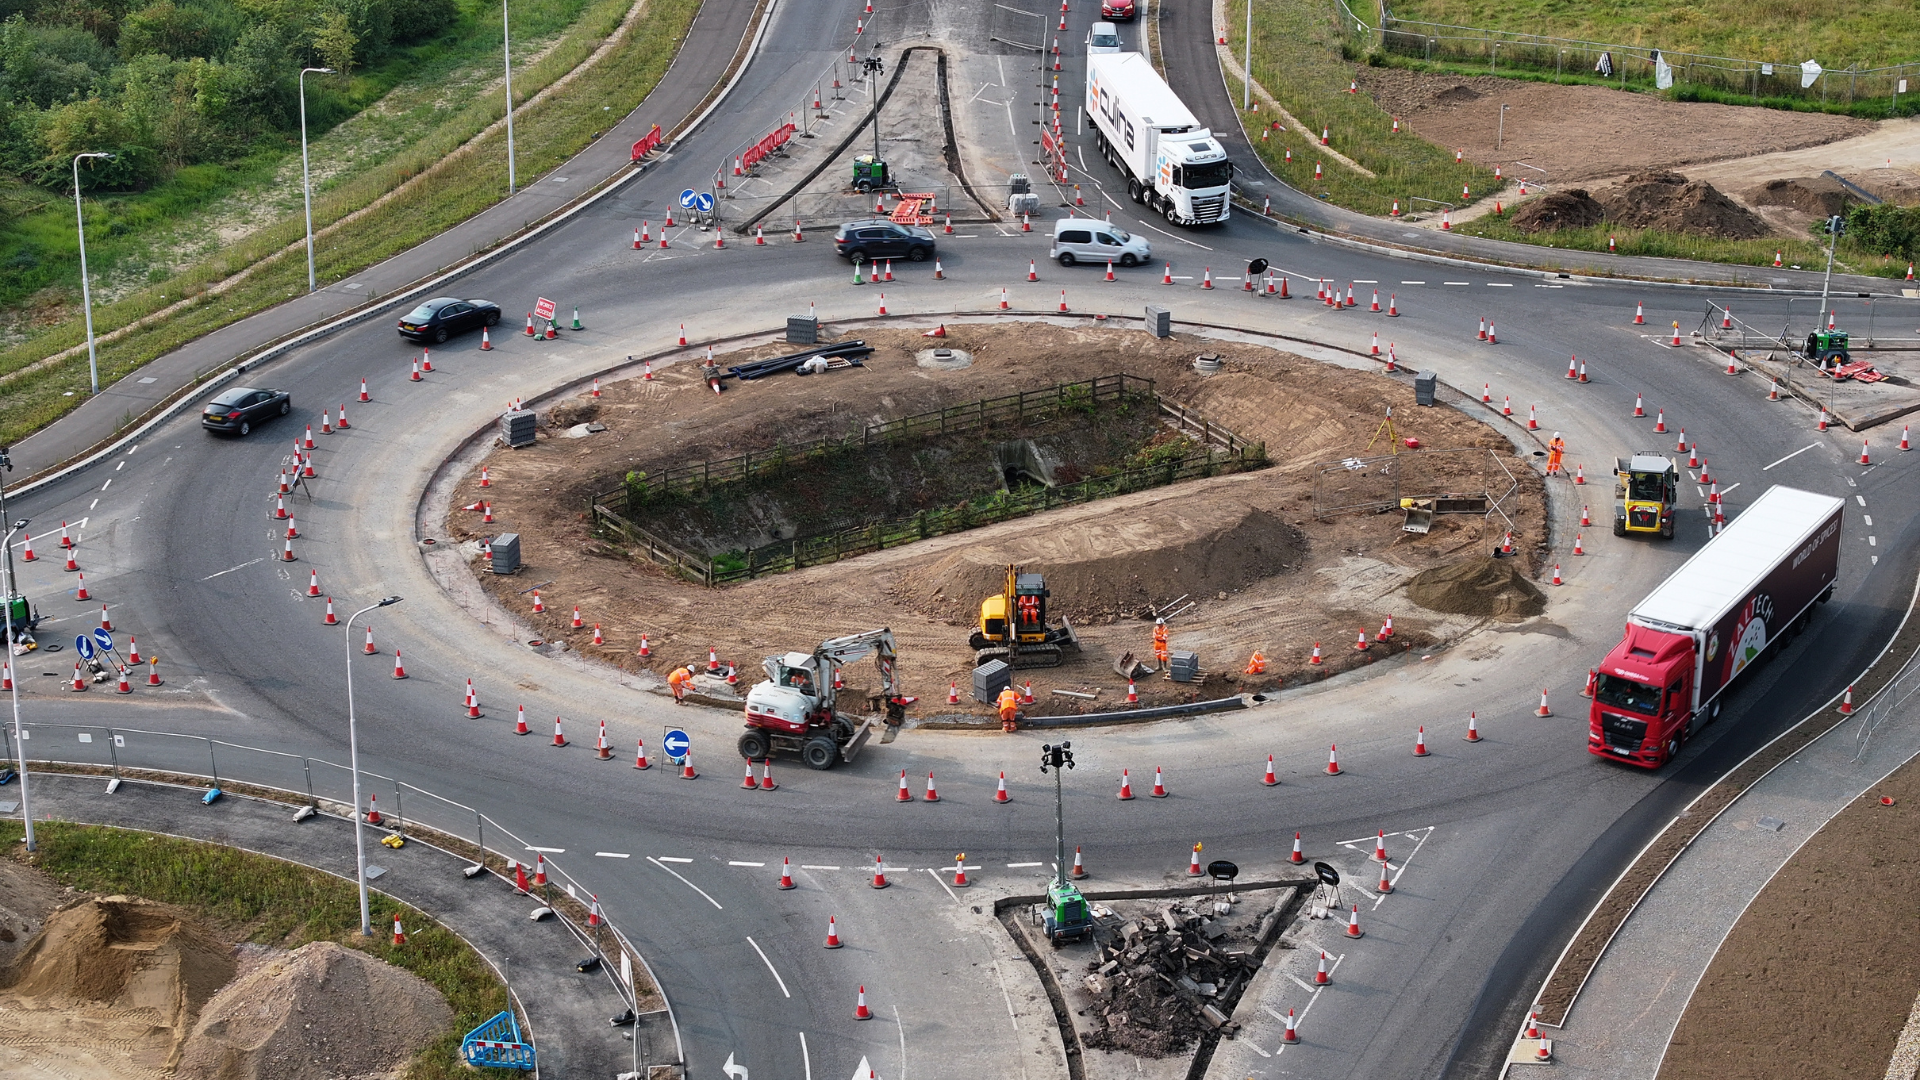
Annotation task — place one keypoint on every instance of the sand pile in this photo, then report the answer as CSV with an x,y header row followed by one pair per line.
x,y
1672,203
320,1012
131,953
1572,209
1817,195
1117,565
27,897
1487,587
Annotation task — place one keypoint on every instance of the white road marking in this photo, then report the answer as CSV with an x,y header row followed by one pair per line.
x,y
93,504
944,885
1729,491
106,485
746,864
1797,453
1867,520
122,465
809,866
1304,985
231,569
670,858
1023,865
1312,997
1862,498
1456,283
1413,283
549,850
612,855
1183,277
687,883
135,450
769,963
1171,236
898,1023
806,1058
1499,284
1365,281
1395,879
1872,542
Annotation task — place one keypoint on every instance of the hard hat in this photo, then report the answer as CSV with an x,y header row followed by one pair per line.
x,y
1160,622
1556,434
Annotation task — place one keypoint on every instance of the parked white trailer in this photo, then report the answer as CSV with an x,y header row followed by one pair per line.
x,y
1172,164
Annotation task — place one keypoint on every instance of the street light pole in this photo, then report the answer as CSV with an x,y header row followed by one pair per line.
x,y
506,53
1246,88
306,181
6,600
353,758
86,290
1058,759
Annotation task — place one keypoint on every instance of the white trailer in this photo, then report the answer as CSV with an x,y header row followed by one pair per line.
x,y
1172,164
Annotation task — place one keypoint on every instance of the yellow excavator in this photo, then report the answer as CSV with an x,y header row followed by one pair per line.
x,y
1013,626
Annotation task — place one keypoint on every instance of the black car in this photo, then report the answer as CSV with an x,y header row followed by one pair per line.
x,y
879,238
442,317
237,410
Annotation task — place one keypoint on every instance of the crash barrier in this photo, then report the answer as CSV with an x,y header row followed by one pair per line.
x,y
1626,65
648,143
1372,484
314,784
1220,452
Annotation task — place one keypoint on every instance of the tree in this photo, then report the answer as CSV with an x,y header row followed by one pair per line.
x,y
333,40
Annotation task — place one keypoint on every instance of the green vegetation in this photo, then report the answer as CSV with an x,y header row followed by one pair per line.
x,y
1298,58
277,903
1852,257
1885,229
1869,33
546,133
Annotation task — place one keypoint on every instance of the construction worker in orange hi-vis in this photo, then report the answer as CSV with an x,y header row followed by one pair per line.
x,y
679,681
1556,449
1160,641
1009,708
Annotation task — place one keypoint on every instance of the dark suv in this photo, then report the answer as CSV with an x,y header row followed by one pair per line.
x,y
879,238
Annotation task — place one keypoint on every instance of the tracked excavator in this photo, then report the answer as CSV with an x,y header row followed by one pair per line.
x,y
796,710
1013,626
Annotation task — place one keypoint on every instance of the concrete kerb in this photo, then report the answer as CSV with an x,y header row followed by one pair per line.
x,y
1824,710
415,833
606,186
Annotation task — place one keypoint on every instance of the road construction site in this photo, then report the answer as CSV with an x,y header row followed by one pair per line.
x,y
1305,553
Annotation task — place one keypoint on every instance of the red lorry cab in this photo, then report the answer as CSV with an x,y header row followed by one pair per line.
x,y
1721,612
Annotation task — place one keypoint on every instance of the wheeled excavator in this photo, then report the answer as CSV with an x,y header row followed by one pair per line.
x,y
796,710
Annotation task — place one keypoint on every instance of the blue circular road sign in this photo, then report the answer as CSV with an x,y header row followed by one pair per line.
x,y
676,744
104,638
704,202
687,199
83,645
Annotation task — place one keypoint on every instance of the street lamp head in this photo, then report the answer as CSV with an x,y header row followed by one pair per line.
x,y
388,601
317,71
21,524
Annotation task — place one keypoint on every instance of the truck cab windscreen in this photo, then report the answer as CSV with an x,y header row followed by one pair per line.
x,y
1627,694
1645,487
1213,174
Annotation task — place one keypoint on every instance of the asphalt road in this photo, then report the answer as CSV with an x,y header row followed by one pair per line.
x,y
1526,829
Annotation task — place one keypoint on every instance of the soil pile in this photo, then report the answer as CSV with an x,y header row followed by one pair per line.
x,y
1118,565
1457,94
27,896
1821,195
1574,209
321,1011
1672,203
131,953
1487,587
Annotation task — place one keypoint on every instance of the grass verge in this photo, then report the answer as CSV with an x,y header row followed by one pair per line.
x,y
1807,254
272,902
466,176
1297,58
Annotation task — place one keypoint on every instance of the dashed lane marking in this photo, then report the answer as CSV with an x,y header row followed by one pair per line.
x,y
1456,283
670,858
1862,498
543,850
738,863
810,866
1023,865
716,904
612,855
1413,283
1867,520
1499,284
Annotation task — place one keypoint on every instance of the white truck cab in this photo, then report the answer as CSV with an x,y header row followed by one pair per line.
x,y
1172,163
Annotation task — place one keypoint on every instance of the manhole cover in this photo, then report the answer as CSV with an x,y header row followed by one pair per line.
x,y
943,359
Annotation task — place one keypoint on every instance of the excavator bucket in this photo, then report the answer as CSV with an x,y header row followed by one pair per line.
x,y
1130,668
1419,520
859,741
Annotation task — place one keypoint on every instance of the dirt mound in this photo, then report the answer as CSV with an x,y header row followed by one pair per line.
x,y
321,1011
133,953
1820,195
1117,565
1574,209
1495,587
27,897
1668,201
1458,94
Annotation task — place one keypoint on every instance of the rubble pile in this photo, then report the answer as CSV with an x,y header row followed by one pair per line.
x,y
1160,982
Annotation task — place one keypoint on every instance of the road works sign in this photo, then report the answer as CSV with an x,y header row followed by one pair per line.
x,y
543,308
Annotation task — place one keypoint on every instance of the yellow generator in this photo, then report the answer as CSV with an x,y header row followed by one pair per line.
x,y
1013,626
1648,484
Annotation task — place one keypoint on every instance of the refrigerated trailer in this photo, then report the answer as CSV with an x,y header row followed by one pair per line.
x,y
1172,163
1720,614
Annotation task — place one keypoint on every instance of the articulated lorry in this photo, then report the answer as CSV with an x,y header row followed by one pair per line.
x,y
1172,163
1723,612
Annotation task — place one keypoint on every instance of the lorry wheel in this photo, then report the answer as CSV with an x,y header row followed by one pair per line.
x,y
1133,191
820,752
753,745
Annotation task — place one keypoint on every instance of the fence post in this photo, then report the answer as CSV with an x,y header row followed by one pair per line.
x,y
399,813
111,752
214,763
479,839
306,766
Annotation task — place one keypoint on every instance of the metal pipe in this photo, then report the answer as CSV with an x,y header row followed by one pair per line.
x,y
353,752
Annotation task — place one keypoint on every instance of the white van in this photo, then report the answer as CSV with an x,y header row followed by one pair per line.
x,y
1104,38
1090,240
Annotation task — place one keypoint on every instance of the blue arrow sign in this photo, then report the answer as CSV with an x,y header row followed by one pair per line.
x,y
676,744
704,202
83,645
104,639
687,199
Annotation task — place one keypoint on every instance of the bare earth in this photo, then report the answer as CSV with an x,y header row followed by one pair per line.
x,y
1246,547
1819,975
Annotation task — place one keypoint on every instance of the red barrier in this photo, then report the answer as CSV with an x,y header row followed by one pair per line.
x,y
768,145
647,144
